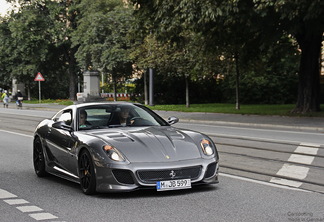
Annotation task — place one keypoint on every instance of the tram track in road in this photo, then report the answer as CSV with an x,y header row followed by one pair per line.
x,y
271,150
272,161
276,160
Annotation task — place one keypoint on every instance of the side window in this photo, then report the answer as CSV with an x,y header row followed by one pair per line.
x,y
65,116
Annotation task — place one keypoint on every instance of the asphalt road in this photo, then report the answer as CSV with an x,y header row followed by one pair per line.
x,y
24,197
291,153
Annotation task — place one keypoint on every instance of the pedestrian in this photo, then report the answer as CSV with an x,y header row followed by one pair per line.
x,y
5,99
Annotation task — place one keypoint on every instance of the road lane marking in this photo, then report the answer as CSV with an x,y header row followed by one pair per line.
x,y
307,149
43,216
285,182
16,201
5,194
294,171
301,159
34,211
304,148
26,209
289,170
262,182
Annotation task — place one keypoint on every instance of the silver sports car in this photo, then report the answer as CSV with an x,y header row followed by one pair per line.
x,y
111,147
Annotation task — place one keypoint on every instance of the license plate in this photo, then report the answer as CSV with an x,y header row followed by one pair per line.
x,y
173,184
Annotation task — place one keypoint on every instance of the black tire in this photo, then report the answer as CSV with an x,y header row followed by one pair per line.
x,y
87,173
39,158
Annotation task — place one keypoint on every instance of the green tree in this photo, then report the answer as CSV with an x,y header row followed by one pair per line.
x,y
103,38
171,60
242,29
29,42
65,15
40,42
224,27
5,51
305,21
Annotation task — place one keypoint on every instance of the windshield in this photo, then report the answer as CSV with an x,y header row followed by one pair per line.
x,y
117,115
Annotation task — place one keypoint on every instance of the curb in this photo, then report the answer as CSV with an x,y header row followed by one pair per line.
x,y
209,122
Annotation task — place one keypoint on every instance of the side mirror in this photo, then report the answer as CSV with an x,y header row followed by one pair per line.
x,y
172,120
62,125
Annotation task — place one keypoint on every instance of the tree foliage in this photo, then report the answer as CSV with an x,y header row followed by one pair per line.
x,y
29,42
5,51
304,20
252,47
103,38
244,29
38,41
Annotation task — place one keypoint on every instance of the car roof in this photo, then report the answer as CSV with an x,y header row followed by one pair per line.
x,y
80,105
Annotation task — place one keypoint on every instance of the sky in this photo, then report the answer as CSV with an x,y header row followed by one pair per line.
x,y
3,7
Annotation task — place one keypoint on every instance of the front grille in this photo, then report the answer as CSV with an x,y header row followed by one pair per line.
x,y
123,176
152,176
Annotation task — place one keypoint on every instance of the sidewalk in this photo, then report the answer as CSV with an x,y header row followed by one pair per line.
x,y
283,122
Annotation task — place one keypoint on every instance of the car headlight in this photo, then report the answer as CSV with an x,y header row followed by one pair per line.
x,y
206,146
113,153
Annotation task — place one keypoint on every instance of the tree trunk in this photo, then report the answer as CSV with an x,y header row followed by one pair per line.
x,y
309,70
28,92
187,91
72,75
71,25
114,79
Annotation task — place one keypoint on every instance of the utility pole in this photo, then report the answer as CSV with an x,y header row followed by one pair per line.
x,y
145,88
151,88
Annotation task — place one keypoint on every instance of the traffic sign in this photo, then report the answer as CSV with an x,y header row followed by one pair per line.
x,y
39,77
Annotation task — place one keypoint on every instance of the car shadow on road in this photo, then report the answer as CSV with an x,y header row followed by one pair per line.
x,y
140,193
149,193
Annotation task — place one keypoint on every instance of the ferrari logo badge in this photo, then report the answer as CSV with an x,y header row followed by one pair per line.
x,y
172,174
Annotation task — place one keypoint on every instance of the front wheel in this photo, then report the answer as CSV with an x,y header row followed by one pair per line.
x,y
39,158
87,174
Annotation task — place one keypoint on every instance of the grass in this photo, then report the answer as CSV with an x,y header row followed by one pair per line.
x,y
264,109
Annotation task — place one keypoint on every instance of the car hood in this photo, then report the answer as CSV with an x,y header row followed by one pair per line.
x,y
152,144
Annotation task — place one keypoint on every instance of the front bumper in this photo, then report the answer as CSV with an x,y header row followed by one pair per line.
x,y
123,178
